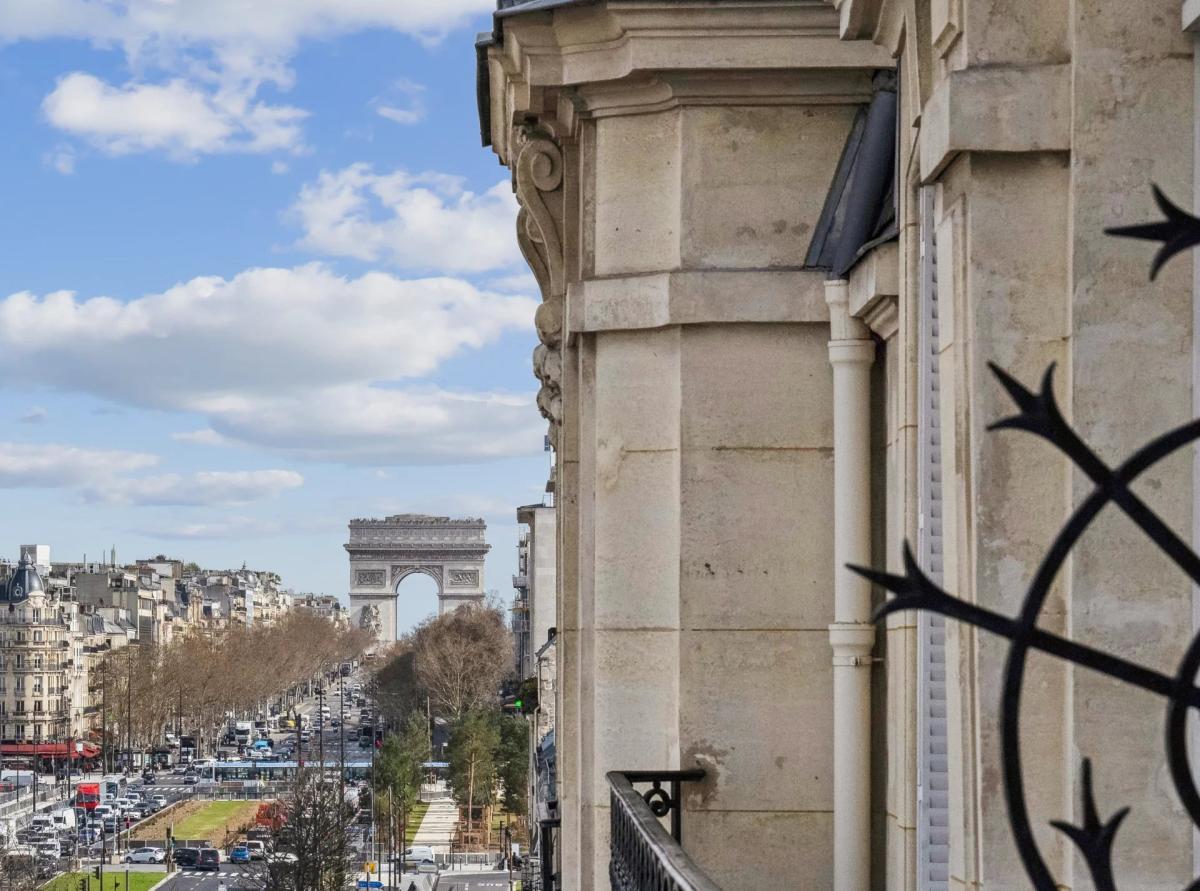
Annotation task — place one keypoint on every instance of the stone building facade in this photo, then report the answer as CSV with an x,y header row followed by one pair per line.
x,y
778,244
42,675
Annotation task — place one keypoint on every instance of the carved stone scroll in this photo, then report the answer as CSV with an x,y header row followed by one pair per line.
x,y
539,184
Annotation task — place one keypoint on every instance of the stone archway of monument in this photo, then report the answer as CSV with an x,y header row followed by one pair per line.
x,y
383,552
434,570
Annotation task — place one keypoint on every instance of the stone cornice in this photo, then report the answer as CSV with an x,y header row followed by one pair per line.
x,y
996,109
544,56
696,297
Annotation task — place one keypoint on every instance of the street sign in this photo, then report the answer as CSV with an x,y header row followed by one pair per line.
x,y
373,883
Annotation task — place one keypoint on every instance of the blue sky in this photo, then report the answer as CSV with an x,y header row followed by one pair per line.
x,y
258,278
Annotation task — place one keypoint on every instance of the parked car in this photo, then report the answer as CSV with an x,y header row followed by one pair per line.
x,y
187,857
257,849
239,854
209,860
146,855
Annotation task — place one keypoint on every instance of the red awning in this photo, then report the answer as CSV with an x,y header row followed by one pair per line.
x,y
48,750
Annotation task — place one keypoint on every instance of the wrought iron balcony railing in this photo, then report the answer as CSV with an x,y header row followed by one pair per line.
x,y
644,856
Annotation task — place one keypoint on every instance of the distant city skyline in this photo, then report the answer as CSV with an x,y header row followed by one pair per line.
x,y
257,281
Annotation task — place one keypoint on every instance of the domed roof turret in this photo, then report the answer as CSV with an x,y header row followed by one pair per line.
x,y
24,581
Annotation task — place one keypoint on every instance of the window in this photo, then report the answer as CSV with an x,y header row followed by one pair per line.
x,y
37,615
20,661
37,705
37,635
20,731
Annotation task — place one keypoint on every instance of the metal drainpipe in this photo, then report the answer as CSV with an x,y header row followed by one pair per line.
x,y
852,634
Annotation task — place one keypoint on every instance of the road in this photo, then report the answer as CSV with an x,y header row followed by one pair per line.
x,y
234,876
469,881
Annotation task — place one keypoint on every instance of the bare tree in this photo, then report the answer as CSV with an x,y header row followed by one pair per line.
x,y
461,658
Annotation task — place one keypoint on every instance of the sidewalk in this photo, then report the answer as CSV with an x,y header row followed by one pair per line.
x,y
437,826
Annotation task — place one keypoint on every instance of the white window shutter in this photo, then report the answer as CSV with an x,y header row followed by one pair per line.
x,y
933,805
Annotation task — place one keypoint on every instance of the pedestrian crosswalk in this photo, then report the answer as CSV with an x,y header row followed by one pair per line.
x,y
222,874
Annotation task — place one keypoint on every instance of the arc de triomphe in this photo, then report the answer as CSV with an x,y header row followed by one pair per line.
x,y
385,552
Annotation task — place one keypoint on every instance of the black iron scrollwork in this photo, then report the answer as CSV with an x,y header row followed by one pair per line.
x,y
1038,413
659,799
643,855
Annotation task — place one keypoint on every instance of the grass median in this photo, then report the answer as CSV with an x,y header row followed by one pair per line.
x,y
215,819
415,816
113,881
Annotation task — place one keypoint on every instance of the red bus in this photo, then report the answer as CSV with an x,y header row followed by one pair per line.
x,y
87,796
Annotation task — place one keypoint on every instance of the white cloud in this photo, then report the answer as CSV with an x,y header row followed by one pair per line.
x,y
47,465
105,475
414,221
62,159
517,283
205,436
176,117
35,415
401,103
267,24
279,167
226,527
202,488
358,424
199,65
231,526
300,360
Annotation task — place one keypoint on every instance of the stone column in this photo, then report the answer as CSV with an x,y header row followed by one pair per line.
x,y
672,163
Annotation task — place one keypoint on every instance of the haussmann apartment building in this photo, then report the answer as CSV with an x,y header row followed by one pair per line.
x,y
779,243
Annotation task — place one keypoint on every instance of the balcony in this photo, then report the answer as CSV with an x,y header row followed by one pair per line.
x,y
643,855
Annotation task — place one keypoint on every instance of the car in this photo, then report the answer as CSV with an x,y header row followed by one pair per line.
x,y
418,854
189,779
240,854
209,860
185,857
88,834
257,849
160,801
146,855
133,796
134,815
49,850
148,779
